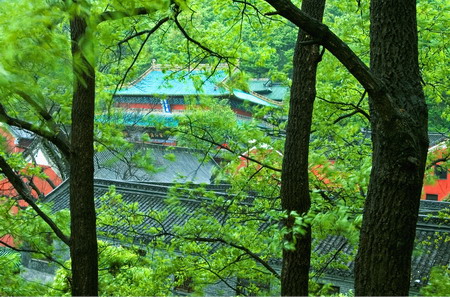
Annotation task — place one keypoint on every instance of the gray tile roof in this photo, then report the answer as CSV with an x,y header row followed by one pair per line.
x,y
430,206
430,250
436,137
187,165
152,196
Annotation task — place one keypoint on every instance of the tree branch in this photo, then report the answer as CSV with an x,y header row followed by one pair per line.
x,y
223,279
57,139
439,160
356,108
151,31
231,151
239,247
373,85
199,44
25,193
48,257
322,270
41,111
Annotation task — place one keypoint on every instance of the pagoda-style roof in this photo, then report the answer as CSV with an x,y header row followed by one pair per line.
x,y
172,83
271,90
167,84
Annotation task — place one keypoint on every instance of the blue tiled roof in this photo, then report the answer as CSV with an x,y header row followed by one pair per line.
x,y
269,89
248,97
195,82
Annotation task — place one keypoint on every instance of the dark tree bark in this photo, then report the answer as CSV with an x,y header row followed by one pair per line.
x,y
83,248
400,144
295,185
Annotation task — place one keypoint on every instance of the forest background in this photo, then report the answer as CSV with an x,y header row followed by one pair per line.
x,y
39,68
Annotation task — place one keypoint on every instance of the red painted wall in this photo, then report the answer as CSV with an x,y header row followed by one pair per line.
x,y
6,189
8,239
177,107
439,187
10,146
140,106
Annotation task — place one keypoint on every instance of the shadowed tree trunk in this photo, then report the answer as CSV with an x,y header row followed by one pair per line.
x,y
83,248
80,150
295,186
400,142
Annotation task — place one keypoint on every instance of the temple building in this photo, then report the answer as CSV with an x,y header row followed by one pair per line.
x,y
156,97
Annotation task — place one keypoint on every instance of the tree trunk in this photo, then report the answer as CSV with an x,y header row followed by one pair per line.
x,y
400,143
83,247
295,185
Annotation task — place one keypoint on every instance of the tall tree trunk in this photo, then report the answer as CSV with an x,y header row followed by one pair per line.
x,y
83,247
295,185
400,142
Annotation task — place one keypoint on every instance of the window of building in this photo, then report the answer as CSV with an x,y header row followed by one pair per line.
x,y
440,172
433,197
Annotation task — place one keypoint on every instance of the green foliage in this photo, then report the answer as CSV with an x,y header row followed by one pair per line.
x,y
433,27
11,283
336,189
36,59
124,272
438,284
29,233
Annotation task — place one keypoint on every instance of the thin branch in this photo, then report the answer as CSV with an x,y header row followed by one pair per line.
x,y
57,139
439,160
199,44
357,108
221,146
272,13
33,186
151,31
239,247
48,257
41,111
322,270
374,86
258,12
345,116
222,279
